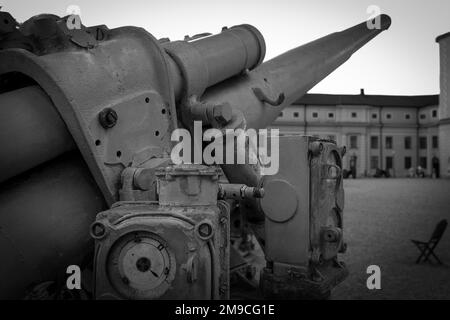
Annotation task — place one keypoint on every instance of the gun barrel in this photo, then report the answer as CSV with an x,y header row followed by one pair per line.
x,y
277,83
31,131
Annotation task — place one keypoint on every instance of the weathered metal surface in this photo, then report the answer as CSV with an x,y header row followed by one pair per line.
x,y
296,283
326,223
303,209
188,185
239,192
128,73
31,131
287,229
174,249
44,223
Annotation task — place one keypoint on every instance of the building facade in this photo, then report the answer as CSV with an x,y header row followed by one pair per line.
x,y
444,100
391,133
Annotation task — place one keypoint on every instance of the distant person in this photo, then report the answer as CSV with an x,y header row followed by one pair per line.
x,y
353,167
420,172
436,167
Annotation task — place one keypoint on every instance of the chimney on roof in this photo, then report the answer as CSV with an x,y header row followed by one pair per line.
x,y
362,91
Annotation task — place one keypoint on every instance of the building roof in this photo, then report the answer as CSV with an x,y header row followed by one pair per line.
x,y
368,100
442,36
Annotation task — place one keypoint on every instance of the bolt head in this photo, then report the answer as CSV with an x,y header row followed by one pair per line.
x,y
108,118
205,230
98,230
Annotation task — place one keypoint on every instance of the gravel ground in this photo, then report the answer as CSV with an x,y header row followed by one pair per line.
x,y
381,216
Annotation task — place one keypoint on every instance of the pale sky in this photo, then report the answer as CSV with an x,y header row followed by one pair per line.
x,y
403,60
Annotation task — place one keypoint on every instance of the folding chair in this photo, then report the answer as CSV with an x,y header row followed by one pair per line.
x,y
426,248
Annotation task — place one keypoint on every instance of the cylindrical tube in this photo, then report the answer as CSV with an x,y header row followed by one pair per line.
x,y
31,131
45,216
231,52
209,60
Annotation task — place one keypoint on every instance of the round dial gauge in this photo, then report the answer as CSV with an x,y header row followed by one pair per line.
x,y
141,266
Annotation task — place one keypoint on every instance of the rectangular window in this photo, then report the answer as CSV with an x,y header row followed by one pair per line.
x,y
389,162
434,113
435,142
374,115
407,116
407,143
330,115
373,162
388,116
281,114
423,142
315,114
295,114
423,162
389,142
353,142
353,114
407,162
422,116
373,142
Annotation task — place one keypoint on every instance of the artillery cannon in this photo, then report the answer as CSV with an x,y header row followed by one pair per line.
x,y
86,117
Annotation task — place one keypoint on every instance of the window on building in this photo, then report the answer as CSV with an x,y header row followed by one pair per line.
x,y
373,142
434,113
435,142
407,116
330,115
423,116
281,114
389,142
407,143
353,142
315,114
389,162
374,115
388,116
422,142
408,163
354,114
374,162
295,114
423,162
